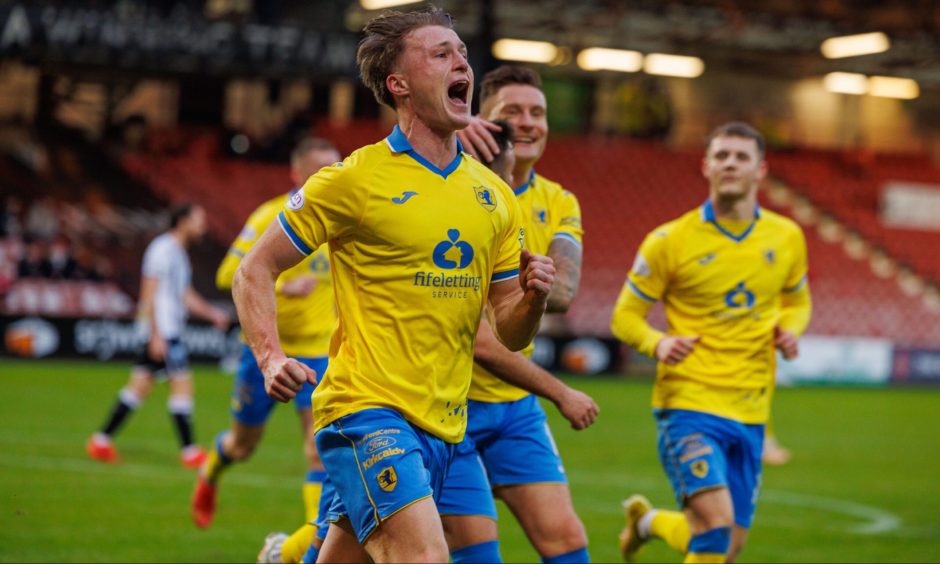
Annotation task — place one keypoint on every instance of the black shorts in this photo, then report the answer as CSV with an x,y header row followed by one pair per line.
x,y
175,361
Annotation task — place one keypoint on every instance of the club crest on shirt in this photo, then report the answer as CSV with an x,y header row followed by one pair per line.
x,y
296,200
387,479
770,256
486,197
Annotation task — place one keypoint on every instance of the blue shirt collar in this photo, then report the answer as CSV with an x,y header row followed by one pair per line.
x,y
708,215
519,190
398,143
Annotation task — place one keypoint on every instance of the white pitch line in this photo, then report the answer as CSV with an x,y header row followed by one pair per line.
x,y
135,470
877,521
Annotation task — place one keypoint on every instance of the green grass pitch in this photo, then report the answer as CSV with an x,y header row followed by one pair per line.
x,y
864,484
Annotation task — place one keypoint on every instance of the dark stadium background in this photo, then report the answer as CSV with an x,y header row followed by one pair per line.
x,y
112,111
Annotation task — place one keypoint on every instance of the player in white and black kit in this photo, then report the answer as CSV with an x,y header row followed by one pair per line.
x,y
166,296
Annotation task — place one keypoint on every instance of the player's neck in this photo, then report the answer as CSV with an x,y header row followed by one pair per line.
x,y
180,237
438,147
735,209
521,174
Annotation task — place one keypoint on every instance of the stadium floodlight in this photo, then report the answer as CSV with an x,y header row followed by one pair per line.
x,y
524,50
855,45
846,83
673,65
598,58
893,87
380,4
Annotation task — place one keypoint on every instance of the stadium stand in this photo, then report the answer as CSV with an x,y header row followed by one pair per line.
x,y
627,188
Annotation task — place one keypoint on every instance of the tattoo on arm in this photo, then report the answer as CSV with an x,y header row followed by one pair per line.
x,y
567,257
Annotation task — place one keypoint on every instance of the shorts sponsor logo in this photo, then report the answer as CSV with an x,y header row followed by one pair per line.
x,y
378,457
378,433
700,468
379,443
387,479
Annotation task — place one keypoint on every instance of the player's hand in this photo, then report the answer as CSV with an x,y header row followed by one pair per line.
x,y
673,350
299,287
578,408
477,139
221,320
787,342
536,274
284,377
156,348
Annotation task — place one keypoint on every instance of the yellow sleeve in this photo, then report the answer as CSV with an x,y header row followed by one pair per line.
x,y
330,206
511,241
646,284
255,225
796,305
569,226
629,322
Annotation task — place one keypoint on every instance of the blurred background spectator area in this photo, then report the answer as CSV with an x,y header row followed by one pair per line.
x,y
112,111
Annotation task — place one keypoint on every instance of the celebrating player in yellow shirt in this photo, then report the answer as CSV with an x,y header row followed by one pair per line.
x,y
306,317
420,238
508,434
732,278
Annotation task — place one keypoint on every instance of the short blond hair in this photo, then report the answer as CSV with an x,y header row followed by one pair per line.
x,y
384,41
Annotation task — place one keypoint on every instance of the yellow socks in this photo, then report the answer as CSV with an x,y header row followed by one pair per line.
x,y
672,527
297,544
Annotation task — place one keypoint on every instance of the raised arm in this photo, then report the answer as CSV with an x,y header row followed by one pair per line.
x,y
253,292
517,308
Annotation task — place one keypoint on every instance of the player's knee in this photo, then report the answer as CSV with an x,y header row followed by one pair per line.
x,y
242,449
559,533
436,552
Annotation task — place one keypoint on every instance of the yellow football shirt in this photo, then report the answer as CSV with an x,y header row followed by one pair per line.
x,y
727,289
414,249
304,324
549,211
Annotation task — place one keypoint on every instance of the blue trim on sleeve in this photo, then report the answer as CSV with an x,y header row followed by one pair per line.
x,y
798,287
398,143
520,190
567,236
708,214
640,292
292,235
500,276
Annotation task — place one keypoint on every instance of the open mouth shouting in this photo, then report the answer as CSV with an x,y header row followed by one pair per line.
x,y
459,93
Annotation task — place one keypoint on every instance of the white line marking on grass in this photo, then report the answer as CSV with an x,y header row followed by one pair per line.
x,y
878,521
135,470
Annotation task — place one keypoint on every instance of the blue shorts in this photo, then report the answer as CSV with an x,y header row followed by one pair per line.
x,y
251,405
379,464
702,452
175,361
514,446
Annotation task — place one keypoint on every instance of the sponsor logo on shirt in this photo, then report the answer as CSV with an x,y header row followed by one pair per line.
x,y
448,255
740,297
